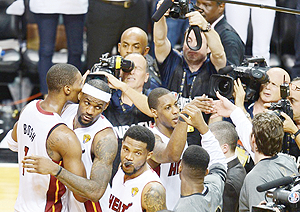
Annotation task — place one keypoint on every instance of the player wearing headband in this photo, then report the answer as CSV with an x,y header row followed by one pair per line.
x,y
99,147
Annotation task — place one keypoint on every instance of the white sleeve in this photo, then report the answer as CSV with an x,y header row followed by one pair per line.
x,y
243,128
12,144
212,146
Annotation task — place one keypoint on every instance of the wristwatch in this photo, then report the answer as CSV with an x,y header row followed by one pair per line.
x,y
293,136
208,28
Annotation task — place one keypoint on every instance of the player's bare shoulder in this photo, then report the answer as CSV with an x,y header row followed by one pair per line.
x,y
105,143
154,197
60,140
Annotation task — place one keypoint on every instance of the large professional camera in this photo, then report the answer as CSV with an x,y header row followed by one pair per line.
x,y
285,195
180,8
111,65
283,105
252,72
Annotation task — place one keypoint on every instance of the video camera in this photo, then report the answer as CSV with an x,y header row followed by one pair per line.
x,y
285,195
110,65
252,72
283,105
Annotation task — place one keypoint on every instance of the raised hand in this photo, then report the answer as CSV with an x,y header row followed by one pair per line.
x,y
204,103
194,118
223,107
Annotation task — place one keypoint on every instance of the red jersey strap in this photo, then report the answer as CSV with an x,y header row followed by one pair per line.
x,y
55,191
92,206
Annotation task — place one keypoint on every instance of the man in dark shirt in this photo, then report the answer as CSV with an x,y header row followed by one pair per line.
x,y
233,45
188,73
227,136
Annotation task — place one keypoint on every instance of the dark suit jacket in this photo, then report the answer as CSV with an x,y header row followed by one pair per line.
x,y
232,43
233,184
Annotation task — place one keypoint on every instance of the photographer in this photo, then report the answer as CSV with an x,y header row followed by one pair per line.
x,y
121,112
188,73
293,126
269,92
263,143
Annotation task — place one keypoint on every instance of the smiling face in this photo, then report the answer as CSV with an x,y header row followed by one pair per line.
x,y
134,155
270,92
138,76
167,111
90,109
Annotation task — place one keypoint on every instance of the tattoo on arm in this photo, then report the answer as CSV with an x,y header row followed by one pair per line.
x,y
105,151
50,145
155,198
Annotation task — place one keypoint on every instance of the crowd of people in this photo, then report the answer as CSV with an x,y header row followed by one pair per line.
x,y
129,142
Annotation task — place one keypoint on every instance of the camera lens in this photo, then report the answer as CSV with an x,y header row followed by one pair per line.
x,y
221,83
175,12
224,86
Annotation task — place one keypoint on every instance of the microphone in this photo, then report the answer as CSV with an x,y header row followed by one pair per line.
x,y
161,10
226,69
275,183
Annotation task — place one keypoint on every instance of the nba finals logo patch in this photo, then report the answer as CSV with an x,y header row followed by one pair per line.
x,y
86,138
134,191
174,93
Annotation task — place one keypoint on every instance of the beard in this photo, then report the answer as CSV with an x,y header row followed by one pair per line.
x,y
84,124
134,170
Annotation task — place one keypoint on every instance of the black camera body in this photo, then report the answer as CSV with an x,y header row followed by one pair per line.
x,y
283,105
252,72
286,198
110,65
180,8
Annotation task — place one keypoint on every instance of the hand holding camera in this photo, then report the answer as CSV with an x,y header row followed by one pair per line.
x,y
111,65
180,9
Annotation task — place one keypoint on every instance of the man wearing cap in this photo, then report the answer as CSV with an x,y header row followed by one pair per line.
x,y
99,147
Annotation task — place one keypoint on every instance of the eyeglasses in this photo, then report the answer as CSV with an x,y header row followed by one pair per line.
x,y
294,87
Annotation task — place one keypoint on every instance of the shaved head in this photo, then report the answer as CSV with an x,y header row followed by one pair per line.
x,y
133,40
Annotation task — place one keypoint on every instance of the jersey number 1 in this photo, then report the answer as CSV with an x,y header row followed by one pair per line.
x,y
26,148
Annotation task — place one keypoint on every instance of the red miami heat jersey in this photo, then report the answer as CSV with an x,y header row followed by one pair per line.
x,y
127,197
168,173
37,192
86,136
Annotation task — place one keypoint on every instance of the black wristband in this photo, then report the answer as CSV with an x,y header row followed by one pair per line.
x,y
59,171
293,136
181,119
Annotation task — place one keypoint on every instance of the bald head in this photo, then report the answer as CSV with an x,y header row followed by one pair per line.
x,y
133,39
270,92
279,73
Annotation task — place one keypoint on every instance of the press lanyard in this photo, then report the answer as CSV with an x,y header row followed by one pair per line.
x,y
182,85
